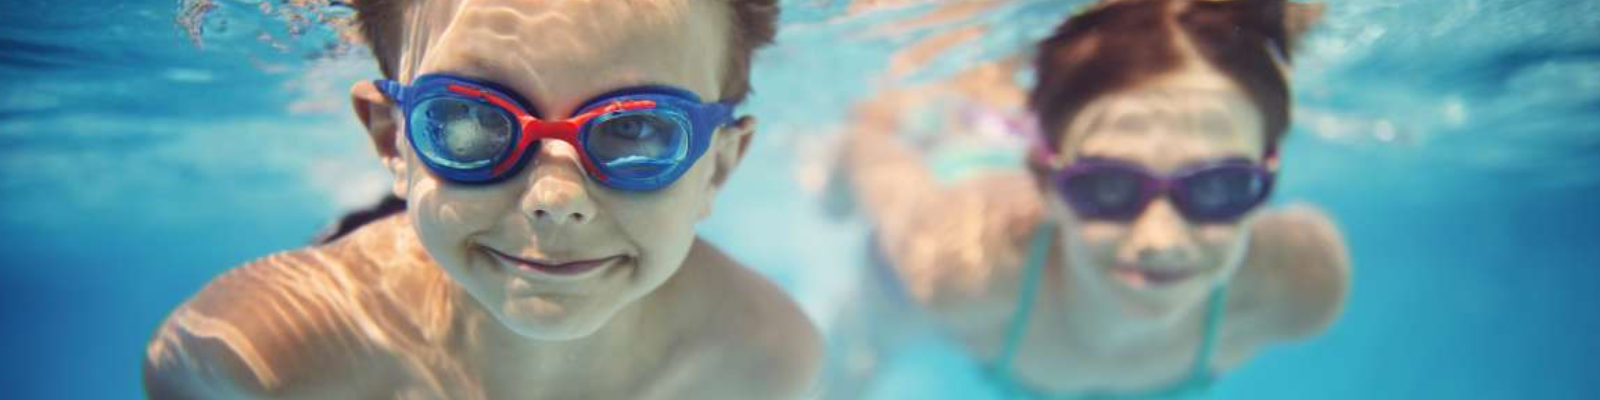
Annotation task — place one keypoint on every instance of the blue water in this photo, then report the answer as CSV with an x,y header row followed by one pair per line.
x,y
1457,142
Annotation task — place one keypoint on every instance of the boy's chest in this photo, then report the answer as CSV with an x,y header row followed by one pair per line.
x,y
676,373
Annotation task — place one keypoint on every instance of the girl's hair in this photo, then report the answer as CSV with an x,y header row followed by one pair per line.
x,y
1117,44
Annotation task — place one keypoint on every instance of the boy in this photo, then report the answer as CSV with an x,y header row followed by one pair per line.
x,y
554,157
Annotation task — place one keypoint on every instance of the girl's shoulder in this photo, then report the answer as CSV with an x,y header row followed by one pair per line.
x,y
1296,274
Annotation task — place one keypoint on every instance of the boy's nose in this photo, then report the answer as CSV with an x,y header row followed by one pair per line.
x,y
557,194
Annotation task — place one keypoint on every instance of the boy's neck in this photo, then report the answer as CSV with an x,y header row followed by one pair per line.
x,y
496,339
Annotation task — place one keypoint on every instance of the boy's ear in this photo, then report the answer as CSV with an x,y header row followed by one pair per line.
x,y
731,143
734,140
378,114
1299,18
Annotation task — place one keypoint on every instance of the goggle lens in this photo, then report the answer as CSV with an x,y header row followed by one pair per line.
x,y
638,144
460,133
1107,193
1221,193
1112,191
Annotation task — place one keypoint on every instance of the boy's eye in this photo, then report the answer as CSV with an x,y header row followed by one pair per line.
x,y
460,133
480,134
630,128
638,143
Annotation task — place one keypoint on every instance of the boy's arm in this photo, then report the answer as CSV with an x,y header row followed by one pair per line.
x,y
281,327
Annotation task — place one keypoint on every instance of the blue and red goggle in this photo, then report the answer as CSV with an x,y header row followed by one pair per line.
x,y
475,132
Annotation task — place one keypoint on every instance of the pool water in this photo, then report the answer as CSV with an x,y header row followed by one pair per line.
x,y
147,146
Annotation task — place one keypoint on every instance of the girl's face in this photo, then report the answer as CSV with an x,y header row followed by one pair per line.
x,y
1158,262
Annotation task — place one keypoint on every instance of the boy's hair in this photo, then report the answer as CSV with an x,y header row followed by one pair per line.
x,y
1119,44
754,24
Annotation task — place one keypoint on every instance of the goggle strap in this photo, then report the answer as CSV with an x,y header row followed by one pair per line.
x,y
391,89
717,114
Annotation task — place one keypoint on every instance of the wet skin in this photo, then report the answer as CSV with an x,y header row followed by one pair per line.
x,y
546,285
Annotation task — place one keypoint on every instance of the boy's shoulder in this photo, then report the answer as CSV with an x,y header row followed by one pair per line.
x,y
315,321
751,324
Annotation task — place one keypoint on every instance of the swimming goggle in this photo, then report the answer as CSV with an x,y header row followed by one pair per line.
x,y
474,132
1114,190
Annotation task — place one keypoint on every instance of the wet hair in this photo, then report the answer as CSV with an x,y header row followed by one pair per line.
x,y
1118,44
389,205
754,24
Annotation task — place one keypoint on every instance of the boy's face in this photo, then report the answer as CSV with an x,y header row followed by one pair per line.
x,y
551,253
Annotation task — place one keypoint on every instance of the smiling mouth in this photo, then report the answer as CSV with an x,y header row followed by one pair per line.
x,y
556,268
1142,278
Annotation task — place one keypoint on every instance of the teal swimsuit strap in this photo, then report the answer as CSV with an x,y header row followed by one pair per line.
x,y
1216,307
1038,256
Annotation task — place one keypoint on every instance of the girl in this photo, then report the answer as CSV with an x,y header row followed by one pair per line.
x,y
1134,256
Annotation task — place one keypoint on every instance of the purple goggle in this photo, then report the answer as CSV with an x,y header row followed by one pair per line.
x,y
1115,190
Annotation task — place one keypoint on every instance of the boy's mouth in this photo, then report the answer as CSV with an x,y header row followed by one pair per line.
x,y
555,268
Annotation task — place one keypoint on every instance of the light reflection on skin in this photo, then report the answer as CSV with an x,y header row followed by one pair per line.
x,y
418,306
551,210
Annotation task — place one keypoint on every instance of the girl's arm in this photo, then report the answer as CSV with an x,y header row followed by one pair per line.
x,y
955,248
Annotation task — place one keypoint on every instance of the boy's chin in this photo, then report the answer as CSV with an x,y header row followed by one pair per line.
x,y
541,319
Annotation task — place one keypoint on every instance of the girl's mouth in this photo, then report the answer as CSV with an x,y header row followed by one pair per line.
x,y
1144,278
